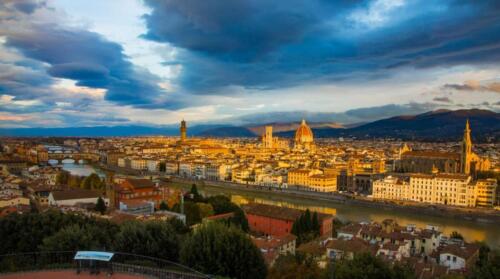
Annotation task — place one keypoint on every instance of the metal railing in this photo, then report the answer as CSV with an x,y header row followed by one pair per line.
x,y
120,263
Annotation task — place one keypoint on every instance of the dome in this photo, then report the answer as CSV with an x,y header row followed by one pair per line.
x,y
304,133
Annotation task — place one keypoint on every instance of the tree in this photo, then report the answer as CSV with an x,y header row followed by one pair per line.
x,y
294,267
225,251
72,238
205,209
92,182
222,204
100,206
316,228
456,235
240,220
154,239
488,265
363,266
62,177
193,214
163,206
194,192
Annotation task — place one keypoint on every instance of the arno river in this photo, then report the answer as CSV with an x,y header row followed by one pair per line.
x,y
472,231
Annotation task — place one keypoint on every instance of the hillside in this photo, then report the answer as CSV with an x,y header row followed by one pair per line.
x,y
435,125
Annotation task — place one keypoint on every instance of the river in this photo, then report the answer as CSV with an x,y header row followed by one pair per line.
x,y
80,169
470,230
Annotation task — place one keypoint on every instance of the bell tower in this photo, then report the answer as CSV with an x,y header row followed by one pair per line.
x,y
183,130
466,150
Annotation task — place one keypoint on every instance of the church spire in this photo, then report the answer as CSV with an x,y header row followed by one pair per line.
x,y
466,151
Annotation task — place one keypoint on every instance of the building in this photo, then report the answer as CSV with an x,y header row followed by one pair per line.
x,y
143,190
465,161
273,247
340,249
267,138
304,139
278,221
183,130
74,197
9,201
137,207
459,256
313,180
439,188
486,190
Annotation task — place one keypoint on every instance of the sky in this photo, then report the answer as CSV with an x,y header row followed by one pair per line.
x,y
72,63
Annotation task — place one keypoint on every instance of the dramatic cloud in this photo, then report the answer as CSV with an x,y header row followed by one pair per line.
x,y
65,63
474,85
269,44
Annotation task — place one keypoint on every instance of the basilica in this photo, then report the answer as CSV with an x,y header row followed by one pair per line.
x,y
422,161
304,139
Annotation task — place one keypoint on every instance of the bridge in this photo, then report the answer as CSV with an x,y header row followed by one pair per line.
x,y
75,155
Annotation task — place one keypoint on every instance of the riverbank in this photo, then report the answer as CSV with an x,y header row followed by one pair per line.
x,y
469,214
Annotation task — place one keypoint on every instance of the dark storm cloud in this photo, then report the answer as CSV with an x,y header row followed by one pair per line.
x,y
91,61
26,6
269,44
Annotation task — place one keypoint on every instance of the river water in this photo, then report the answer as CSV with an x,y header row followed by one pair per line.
x,y
472,231
81,169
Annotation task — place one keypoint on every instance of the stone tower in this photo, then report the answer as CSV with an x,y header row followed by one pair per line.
x,y
466,151
183,130
268,137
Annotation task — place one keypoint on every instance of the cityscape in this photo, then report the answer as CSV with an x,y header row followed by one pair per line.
x,y
249,139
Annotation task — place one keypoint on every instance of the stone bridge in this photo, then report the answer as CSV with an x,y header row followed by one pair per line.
x,y
76,156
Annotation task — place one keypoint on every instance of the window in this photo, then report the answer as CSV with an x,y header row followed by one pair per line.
x,y
448,258
454,259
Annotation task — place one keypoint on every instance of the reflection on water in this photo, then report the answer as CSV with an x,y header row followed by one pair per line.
x,y
472,231
81,169
239,200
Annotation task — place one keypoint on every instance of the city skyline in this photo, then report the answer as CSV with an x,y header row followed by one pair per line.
x,y
75,63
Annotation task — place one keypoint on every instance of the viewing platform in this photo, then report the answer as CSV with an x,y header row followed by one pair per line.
x,y
91,264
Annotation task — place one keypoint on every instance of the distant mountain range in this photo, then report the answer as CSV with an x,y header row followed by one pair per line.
x,y
434,125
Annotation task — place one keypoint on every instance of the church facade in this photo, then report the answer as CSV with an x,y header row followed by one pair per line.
x,y
465,161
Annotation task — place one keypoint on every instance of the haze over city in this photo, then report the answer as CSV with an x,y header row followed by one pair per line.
x,y
72,63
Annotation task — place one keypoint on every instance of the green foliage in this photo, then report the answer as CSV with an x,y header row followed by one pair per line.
x,y
306,227
62,178
155,239
363,266
93,182
26,232
240,220
456,235
294,267
193,214
100,206
205,209
72,238
195,194
178,226
163,206
222,204
488,265
220,250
